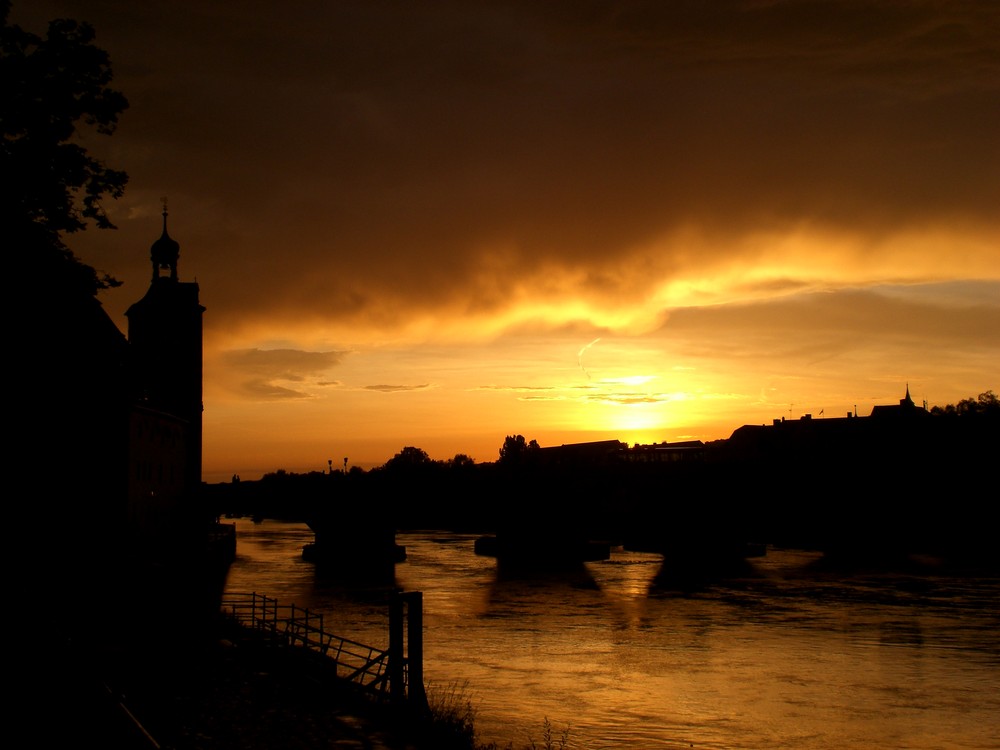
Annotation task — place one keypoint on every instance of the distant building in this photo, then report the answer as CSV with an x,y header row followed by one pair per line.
x,y
577,454
892,434
906,409
686,451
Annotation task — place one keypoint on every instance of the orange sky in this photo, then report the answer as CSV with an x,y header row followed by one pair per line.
x,y
439,224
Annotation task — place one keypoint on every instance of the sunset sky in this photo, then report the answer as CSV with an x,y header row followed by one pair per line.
x,y
437,224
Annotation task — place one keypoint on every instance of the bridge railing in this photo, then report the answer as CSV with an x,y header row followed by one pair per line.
x,y
292,626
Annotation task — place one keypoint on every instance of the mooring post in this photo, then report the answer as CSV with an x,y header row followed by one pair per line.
x,y
397,688
415,649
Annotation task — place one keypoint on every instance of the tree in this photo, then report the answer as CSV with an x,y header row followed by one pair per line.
x,y
55,88
516,451
408,458
986,402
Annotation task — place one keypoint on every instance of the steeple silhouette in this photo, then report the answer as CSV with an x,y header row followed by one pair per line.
x,y
907,401
165,334
165,251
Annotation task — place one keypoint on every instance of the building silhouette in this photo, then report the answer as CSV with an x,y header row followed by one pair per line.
x,y
906,409
108,435
165,348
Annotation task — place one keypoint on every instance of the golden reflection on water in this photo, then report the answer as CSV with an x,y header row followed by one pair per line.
x,y
785,658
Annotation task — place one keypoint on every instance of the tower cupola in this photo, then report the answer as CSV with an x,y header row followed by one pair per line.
x,y
165,251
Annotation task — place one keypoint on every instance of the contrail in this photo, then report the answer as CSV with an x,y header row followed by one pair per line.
x,y
579,357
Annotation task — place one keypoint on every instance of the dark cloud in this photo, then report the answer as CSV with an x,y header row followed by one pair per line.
x,y
373,160
937,319
286,364
864,310
631,398
396,388
280,374
263,390
525,388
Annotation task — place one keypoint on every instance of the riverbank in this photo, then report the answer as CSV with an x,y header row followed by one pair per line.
x,y
223,694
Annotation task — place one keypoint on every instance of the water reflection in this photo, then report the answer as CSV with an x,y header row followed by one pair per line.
x,y
360,575
788,655
692,571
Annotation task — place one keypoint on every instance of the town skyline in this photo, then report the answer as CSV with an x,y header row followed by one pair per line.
x,y
985,401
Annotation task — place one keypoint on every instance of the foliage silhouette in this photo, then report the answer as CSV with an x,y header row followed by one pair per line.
x,y
56,88
462,461
408,458
986,402
516,452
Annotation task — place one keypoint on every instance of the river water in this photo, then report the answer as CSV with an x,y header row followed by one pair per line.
x,y
788,656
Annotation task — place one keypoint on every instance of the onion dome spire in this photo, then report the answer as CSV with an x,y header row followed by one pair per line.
x,y
165,251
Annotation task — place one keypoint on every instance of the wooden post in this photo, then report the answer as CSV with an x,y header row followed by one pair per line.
x,y
417,697
397,688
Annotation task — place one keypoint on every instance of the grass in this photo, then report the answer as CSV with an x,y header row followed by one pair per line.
x,y
452,716
453,721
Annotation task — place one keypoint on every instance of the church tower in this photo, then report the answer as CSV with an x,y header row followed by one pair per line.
x,y
165,335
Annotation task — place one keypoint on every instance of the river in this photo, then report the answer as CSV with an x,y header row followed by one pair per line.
x,y
788,656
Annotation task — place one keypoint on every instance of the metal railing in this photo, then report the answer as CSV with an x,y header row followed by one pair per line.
x,y
292,626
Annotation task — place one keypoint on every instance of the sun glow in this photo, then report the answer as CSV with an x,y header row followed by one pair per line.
x,y
632,415
642,417
633,380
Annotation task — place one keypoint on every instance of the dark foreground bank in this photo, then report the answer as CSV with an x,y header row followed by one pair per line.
x,y
227,693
